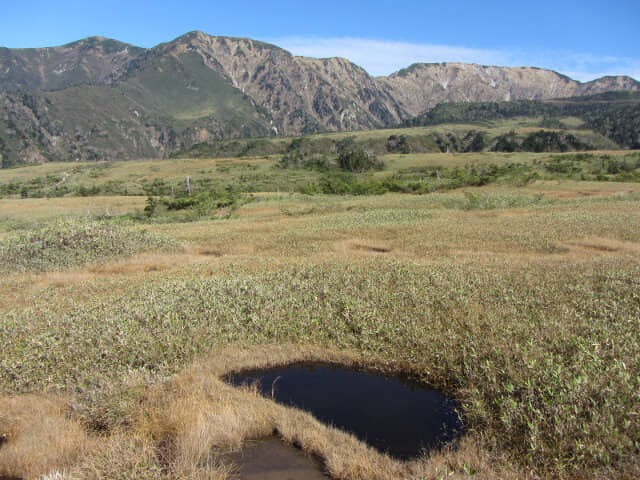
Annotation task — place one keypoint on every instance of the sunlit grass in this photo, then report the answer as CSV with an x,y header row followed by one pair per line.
x,y
521,302
43,209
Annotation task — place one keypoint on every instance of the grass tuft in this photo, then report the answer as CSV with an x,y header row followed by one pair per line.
x,y
40,436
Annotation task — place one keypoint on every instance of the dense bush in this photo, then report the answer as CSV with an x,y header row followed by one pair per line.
x,y
420,180
297,159
357,160
352,157
476,141
603,167
539,141
398,144
208,204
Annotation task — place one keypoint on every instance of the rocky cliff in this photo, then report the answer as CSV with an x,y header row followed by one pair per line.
x,y
421,87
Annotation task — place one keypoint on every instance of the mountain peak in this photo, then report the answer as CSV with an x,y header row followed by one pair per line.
x,y
201,37
99,42
89,61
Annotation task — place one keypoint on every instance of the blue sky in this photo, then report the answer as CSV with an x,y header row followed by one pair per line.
x,y
583,39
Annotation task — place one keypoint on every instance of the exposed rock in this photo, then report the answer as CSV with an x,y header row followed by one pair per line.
x,y
422,86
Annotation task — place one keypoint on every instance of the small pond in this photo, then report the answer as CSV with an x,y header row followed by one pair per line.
x,y
389,413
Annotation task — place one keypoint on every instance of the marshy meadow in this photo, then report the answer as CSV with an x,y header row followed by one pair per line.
x,y
131,290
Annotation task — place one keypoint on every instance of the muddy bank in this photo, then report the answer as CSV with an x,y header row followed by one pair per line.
x,y
272,459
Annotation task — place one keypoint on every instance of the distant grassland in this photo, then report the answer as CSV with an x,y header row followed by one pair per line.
x,y
30,211
518,299
262,173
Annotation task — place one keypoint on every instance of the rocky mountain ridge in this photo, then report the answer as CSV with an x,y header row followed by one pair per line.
x,y
100,98
421,86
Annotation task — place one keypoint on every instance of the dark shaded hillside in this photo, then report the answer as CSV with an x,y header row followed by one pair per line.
x,y
106,123
616,115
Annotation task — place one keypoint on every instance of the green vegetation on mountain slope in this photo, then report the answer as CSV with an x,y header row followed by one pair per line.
x,y
615,115
145,114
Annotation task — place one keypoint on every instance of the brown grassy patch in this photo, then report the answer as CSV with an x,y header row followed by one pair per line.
x,y
570,194
41,436
567,190
123,456
136,265
40,209
600,244
149,262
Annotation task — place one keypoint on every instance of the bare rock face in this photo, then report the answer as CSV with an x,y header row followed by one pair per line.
x,y
302,95
421,87
608,84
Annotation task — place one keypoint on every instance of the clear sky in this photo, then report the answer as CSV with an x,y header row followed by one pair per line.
x,y
583,39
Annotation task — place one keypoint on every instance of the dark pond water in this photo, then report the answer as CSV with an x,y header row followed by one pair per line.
x,y
389,413
271,459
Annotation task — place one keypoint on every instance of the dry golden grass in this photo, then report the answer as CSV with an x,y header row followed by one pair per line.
x,y
40,209
575,190
239,415
355,229
195,417
41,436
599,245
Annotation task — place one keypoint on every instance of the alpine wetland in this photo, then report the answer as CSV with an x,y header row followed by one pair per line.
x,y
224,259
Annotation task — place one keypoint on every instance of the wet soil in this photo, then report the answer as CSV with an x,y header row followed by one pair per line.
x,y
272,459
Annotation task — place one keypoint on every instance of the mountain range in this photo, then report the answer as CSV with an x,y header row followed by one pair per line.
x,y
99,98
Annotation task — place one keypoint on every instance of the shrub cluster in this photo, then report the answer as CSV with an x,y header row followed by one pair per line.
x,y
351,157
587,166
613,114
356,160
420,180
185,207
539,141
